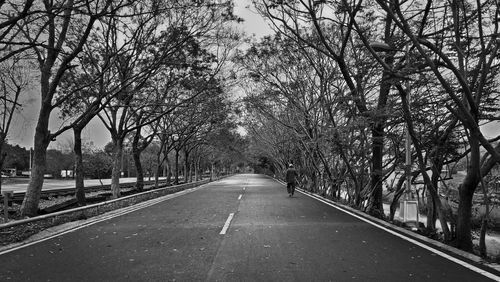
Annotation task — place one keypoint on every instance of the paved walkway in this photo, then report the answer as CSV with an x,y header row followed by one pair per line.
x,y
242,228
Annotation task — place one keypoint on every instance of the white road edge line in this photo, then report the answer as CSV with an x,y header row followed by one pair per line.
x,y
437,252
226,225
239,198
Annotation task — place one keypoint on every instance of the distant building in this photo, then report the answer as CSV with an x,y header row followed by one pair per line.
x,y
67,173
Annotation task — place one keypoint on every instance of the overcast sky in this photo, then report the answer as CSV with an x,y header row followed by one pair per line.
x,y
23,128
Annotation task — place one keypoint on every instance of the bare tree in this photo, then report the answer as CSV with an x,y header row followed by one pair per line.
x,y
13,15
461,53
328,27
14,80
55,36
146,44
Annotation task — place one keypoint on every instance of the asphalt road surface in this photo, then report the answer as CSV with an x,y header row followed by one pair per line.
x,y
269,237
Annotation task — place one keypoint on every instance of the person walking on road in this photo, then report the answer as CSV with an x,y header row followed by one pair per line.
x,y
291,179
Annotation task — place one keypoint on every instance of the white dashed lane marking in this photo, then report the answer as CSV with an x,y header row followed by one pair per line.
x,y
226,225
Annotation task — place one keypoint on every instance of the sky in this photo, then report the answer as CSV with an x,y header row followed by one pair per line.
x,y
23,128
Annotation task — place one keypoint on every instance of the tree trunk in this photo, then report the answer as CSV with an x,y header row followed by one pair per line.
x,y
191,171
139,186
157,175
437,158
186,166
485,220
466,192
400,190
464,213
376,206
169,171
197,170
439,208
482,237
115,174
2,156
159,162
176,172
79,177
29,206
431,213
377,129
212,172
431,202
136,155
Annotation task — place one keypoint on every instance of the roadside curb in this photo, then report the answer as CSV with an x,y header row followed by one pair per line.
x,y
417,237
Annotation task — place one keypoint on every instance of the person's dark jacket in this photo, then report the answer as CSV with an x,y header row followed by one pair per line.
x,y
291,175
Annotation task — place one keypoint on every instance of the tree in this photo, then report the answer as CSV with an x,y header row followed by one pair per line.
x,y
89,81
328,28
227,146
14,80
12,15
16,157
58,161
55,37
14,66
97,164
303,91
147,44
464,65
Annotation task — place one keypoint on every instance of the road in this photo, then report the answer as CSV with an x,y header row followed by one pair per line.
x,y
270,237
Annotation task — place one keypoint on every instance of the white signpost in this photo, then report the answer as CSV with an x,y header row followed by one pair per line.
x,y
408,211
